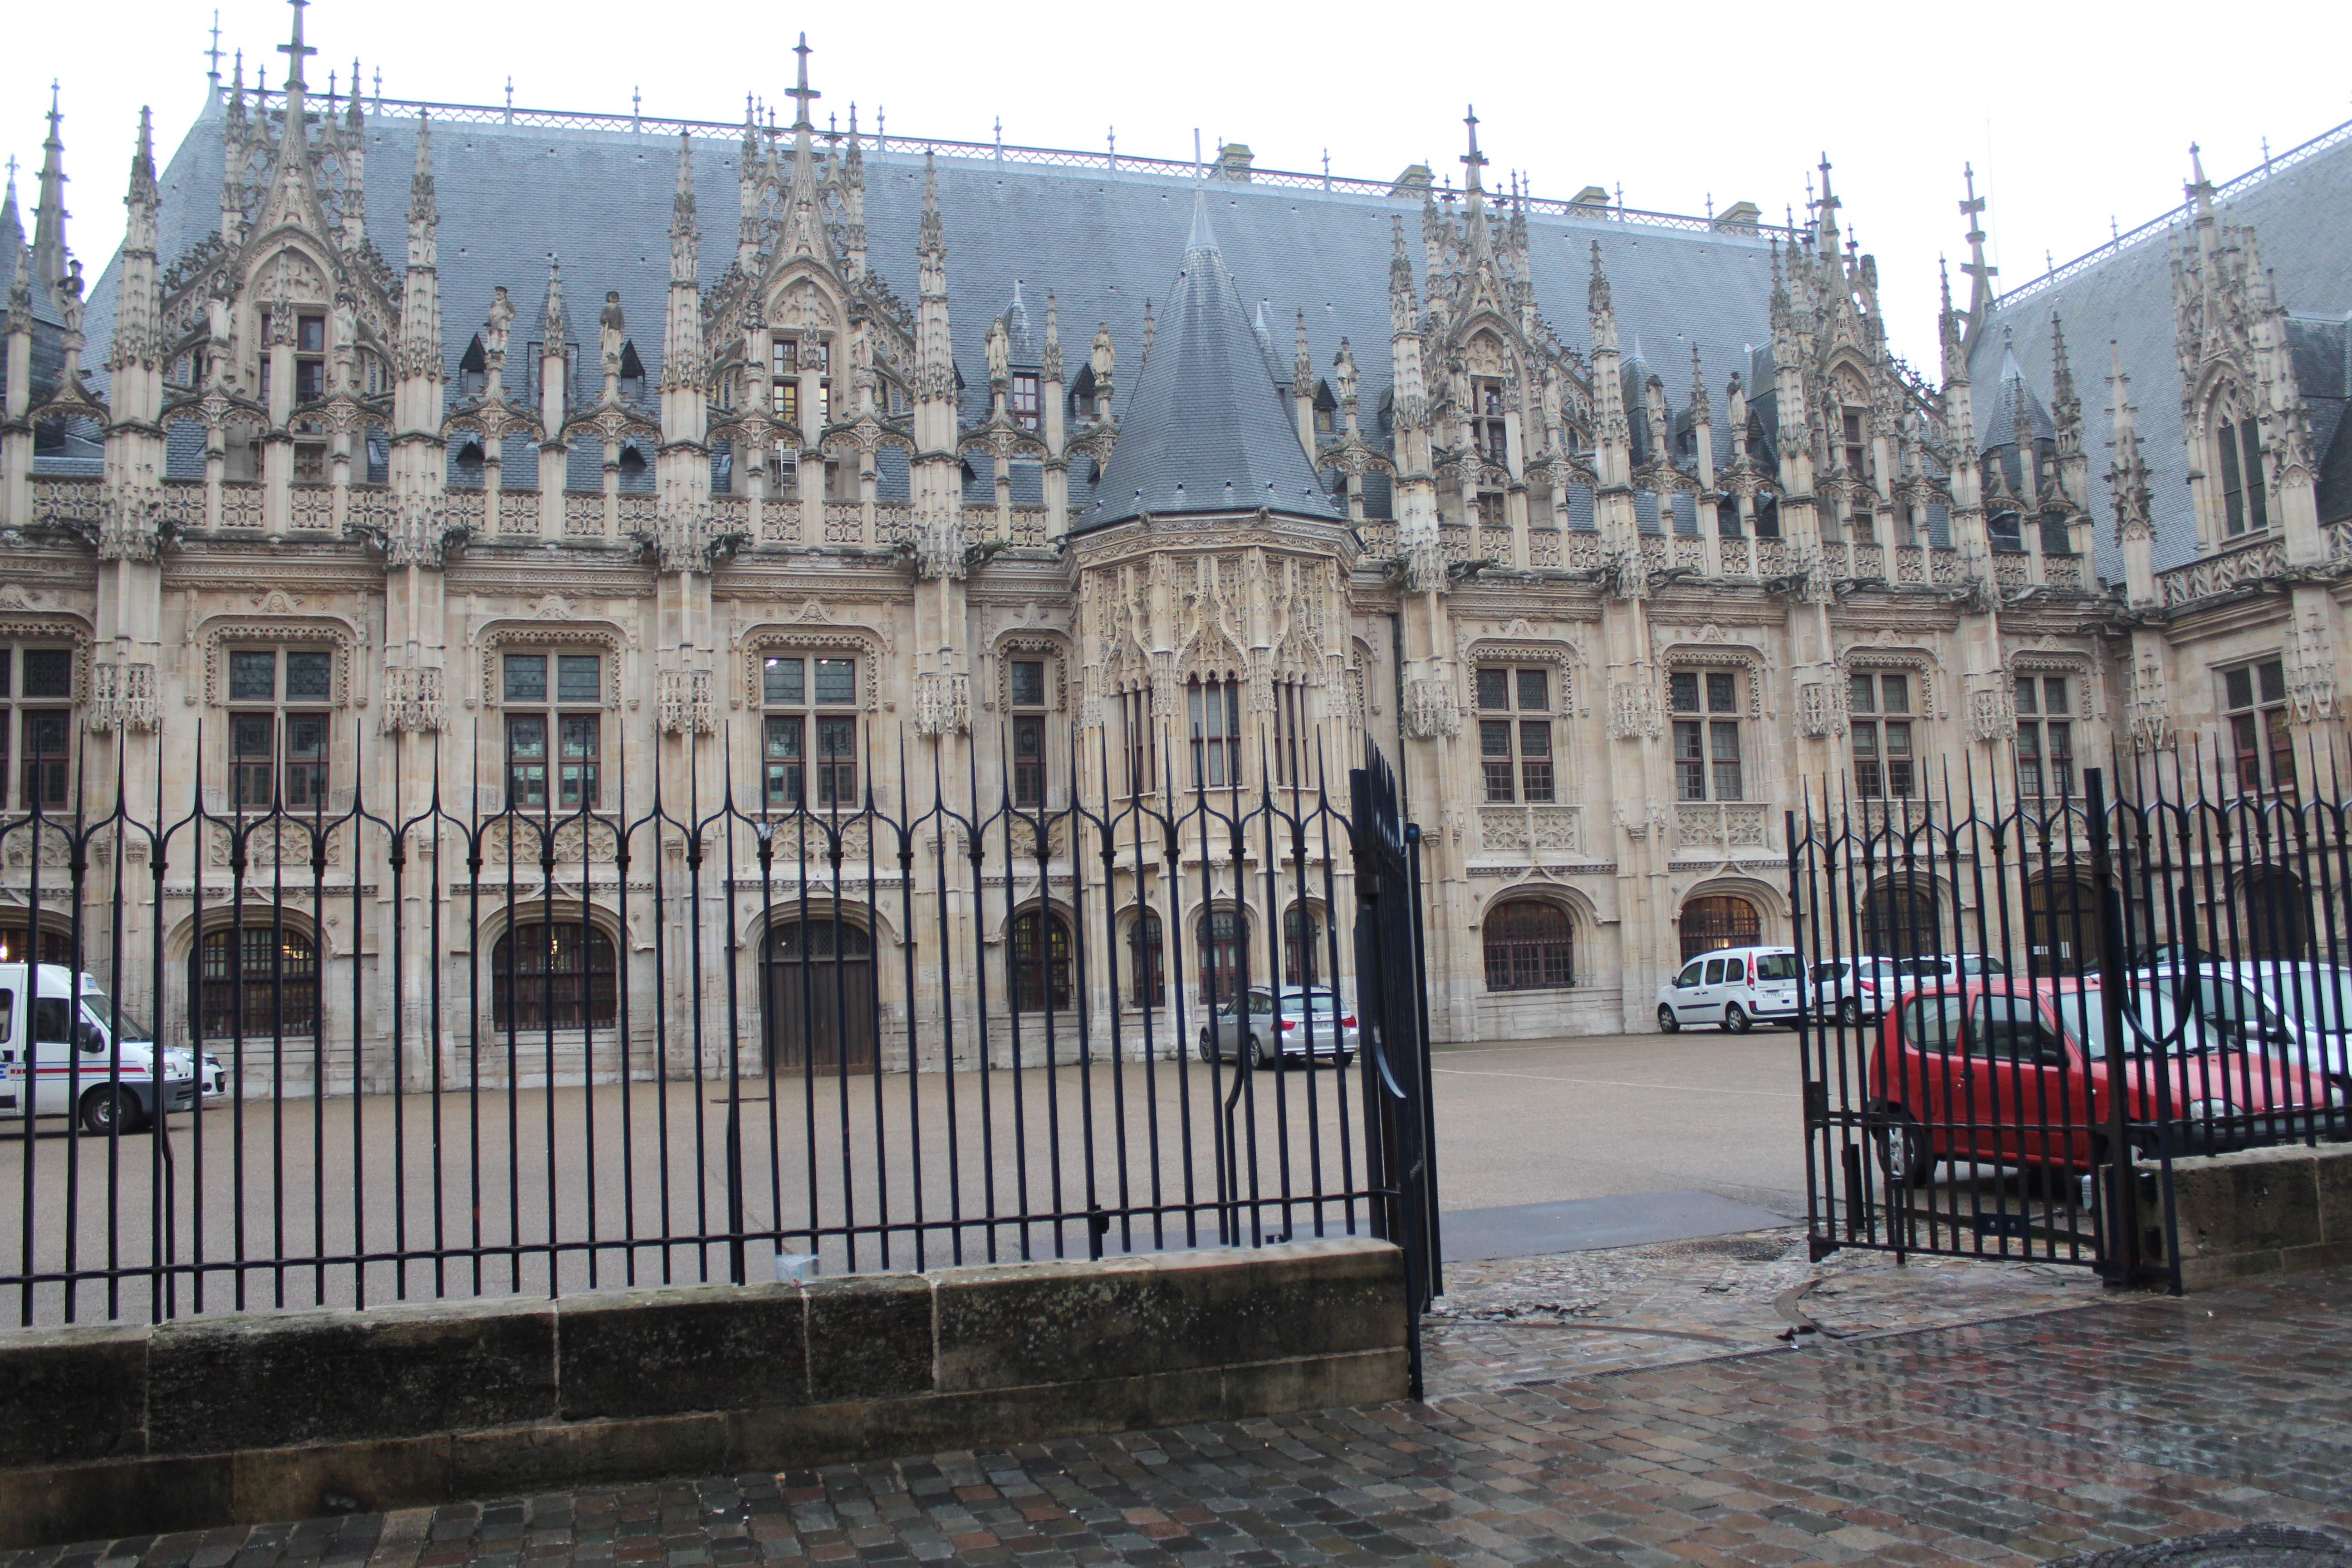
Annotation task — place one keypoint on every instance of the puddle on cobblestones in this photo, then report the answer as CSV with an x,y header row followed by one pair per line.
x,y
1526,1319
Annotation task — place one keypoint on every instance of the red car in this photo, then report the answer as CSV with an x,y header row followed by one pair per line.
x,y
2006,1071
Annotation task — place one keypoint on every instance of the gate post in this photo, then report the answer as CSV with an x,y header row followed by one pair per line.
x,y
2119,1237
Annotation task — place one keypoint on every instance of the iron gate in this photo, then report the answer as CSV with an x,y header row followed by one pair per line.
x,y
465,1047
1977,973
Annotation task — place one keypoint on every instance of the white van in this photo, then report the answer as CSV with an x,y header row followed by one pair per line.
x,y
57,1058
1733,987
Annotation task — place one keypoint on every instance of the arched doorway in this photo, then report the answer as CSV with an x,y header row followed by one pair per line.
x,y
821,996
2062,925
1224,945
1719,919
2273,919
1901,918
1302,946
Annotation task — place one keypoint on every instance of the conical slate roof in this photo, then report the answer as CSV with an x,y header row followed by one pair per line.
x,y
1205,428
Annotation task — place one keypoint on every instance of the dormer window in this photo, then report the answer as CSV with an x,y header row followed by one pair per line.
x,y
1327,409
1083,397
1857,455
2243,503
1024,399
2007,530
474,369
1488,426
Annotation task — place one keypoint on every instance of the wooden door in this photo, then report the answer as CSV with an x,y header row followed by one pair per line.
x,y
820,997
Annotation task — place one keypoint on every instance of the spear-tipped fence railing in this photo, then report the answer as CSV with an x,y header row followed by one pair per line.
x,y
520,1033
2018,1011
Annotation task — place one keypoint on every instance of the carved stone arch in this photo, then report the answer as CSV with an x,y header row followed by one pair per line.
x,y
552,632
258,287
1746,657
1515,648
816,636
1919,663
1054,646
816,908
778,293
66,628
1772,902
1578,905
211,637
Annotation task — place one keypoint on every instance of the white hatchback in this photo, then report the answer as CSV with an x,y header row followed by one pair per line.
x,y
1734,987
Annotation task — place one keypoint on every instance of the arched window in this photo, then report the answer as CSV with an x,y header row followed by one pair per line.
x,y
1224,945
265,982
2245,508
57,941
1719,921
1302,947
553,977
1900,920
1530,946
1041,962
1146,961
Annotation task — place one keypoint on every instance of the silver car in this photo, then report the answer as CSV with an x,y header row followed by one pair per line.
x,y
1298,1023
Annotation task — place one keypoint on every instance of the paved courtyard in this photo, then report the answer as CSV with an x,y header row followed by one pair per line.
x,y
2072,1431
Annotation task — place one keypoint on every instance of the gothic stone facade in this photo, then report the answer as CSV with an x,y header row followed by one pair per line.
x,y
318,521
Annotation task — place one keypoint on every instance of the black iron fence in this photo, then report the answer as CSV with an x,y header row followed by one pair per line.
x,y
410,1049
2019,1010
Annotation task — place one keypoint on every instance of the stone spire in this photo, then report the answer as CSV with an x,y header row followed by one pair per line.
x,y
804,226
1204,430
2128,480
49,206
1980,272
139,302
937,490
417,361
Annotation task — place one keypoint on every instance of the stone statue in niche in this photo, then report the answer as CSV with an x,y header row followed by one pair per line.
x,y
501,317
347,334
608,330
1000,351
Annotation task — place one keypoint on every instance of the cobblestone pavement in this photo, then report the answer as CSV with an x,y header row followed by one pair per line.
x,y
2018,1441
1576,1313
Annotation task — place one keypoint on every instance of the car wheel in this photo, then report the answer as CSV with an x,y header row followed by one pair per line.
x,y
107,1108
1208,1052
1903,1152
1850,1012
1667,1023
1735,1022
1257,1056
1344,1060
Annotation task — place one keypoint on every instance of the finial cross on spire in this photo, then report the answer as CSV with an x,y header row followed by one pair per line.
x,y
214,54
802,92
1473,160
295,50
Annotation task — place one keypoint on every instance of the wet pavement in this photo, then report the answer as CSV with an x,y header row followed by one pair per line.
x,y
2089,1425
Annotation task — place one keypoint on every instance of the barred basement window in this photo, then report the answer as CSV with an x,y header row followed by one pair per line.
x,y
262,984
1530,946
1041,962
555,976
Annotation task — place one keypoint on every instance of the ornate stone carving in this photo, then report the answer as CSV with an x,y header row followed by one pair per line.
x,y
1821,709
2311,671
411,701
1558,829
684,703
1993,714
1430,709
1633,710
122,697
2151,705
942,703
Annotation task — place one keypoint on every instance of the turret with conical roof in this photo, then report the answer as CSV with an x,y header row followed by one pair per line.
x,y
1204,429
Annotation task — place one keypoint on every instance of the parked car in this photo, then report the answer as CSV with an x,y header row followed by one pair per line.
x,y
57,1057
1853,989
2296,1013
1734,987
1999,1071
1297,1023
1930,968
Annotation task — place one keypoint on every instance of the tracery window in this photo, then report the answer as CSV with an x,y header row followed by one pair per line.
x,y
810,719
2254,697
2245,505
1515,735
2045,737
1880,709
554,715
36,725
279,726
1707,743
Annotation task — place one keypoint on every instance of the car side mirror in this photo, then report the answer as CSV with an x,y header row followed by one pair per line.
x,y
89,1036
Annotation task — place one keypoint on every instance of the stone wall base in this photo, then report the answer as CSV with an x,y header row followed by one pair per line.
x,y
2263,1211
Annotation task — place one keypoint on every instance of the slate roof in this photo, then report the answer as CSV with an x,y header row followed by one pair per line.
x,y
1101,241
2299,216
1205,428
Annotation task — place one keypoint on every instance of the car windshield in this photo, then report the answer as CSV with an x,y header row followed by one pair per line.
x,y
2152,1011
1776,966
98,1008
2323,1001
1306,1001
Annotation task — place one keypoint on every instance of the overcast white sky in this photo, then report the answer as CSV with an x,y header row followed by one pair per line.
x,y
2070,111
